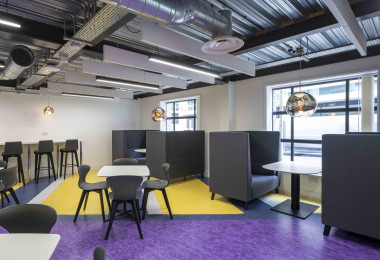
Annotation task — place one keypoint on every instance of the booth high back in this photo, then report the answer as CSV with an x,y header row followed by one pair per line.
x,y
236,160
183,150
125,142
350,183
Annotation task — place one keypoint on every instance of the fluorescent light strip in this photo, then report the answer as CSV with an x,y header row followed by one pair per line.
x,y
124,83
10,23
176,65
85,96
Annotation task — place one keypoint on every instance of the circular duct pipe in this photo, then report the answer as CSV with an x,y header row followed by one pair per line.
x,y
20,58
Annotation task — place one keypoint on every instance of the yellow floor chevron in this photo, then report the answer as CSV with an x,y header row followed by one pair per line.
x,y
193,197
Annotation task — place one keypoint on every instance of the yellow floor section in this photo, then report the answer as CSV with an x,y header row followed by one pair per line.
x,y
193,197
282,197
65,198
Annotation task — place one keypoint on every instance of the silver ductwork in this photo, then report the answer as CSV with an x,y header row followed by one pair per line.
x,y
177,12
20,58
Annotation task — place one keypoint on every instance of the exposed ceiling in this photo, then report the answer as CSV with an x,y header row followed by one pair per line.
x,y
271,29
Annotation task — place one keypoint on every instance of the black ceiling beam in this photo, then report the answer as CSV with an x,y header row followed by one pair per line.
x,y
363,10
32,33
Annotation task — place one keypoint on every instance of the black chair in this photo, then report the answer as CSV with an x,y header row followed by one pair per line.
x,y
125,161
97,187
44,148
99,253
14,149
71,147
124,190
8,179
3,164
28,218
149,186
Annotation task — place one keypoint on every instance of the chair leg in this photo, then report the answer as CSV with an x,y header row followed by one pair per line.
x,y
145,202
35,166
79,205
72,163
213,196
108,199
2,200
21,169
113,213
136,218
102,204
246,205
138,210
6,197
85,201
64,173
50,156
60,172
326,230
14,196
276,190
202,175
39,167
76,158
167,203
48,165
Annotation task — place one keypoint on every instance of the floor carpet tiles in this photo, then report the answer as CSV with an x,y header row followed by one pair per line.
x,y
212,239
193,196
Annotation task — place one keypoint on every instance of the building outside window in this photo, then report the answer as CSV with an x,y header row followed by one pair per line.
x,y
181,115
338,112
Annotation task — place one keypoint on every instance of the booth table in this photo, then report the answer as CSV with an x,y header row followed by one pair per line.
x,y
57,142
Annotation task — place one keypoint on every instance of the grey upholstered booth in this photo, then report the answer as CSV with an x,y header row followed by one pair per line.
x,y
236,160
125,142
183,150
350,183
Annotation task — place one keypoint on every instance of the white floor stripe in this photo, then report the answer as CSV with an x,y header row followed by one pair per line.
x,y
46,192
269,201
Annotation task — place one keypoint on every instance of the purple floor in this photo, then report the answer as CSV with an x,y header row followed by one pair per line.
x,y
212,239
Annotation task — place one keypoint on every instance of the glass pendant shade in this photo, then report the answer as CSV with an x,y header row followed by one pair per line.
x,y
158,115
48,111
301,104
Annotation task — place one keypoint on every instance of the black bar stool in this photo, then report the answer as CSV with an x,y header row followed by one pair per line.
x,y
44,148
71,146
14,149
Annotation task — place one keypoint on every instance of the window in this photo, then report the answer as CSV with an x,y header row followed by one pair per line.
x,y
181,115
338,112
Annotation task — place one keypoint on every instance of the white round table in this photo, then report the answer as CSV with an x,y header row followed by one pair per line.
x,y
140,150
293,206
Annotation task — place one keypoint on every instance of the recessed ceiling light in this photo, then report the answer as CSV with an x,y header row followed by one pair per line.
x,y
10,23
181,66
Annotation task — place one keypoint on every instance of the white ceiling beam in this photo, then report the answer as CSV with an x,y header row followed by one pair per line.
x,y
159,36
90,79
343,13
82,90
127,73
140,61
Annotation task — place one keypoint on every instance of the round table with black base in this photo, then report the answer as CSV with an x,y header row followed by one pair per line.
x,y
294,207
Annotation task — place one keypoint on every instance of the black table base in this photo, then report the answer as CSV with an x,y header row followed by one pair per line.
x,y
303,212
294,207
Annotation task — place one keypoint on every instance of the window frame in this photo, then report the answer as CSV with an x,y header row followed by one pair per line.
x,y
174,118
293,88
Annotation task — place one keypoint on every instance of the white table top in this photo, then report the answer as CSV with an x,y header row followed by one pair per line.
x,y
140,150
2,168
28,246
36,142
294,167
124,170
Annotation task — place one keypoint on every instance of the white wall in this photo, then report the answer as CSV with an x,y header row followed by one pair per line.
x,y
250,106
213,109
89,119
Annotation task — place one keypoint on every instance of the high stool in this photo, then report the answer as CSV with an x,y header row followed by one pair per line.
x,y
71,147
44,148
14,149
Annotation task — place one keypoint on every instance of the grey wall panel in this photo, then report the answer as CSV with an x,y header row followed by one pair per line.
x,y
117,144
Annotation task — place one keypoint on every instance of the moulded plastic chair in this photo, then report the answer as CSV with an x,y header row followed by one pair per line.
x,y
3,164
14,149
28,218
97,187
151,185
45,147
124,189
71,147
125,161
99,253
8,179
